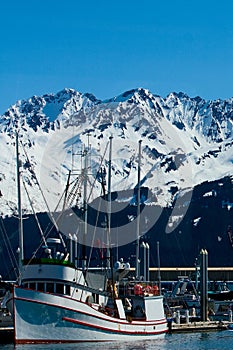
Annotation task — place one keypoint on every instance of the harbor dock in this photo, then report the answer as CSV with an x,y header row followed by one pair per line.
x,y
198,326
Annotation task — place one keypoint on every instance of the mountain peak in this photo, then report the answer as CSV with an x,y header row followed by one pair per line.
x,y
129,95
183,138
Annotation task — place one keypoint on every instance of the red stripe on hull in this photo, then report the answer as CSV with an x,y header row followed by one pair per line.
x,y
109,319
112,330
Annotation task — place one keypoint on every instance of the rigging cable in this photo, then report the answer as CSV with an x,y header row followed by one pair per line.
x,y
9,249
37,182
91,190
37,221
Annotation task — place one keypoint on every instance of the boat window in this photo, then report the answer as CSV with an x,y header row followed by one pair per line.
x,y
40,287
32,285
50,287
96,298
67,290
60,288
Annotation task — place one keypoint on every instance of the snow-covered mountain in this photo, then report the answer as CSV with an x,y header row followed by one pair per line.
x,y
185,141
186,170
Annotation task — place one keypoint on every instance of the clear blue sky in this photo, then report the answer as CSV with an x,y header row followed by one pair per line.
x,y
108,47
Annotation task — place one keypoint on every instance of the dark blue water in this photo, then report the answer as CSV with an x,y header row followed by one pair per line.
x,y
183,341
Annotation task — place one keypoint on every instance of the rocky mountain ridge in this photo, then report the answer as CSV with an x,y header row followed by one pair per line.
x,y
183,140
186,166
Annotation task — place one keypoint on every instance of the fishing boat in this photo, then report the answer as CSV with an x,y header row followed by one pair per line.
x,y
56,301
219,291
183,294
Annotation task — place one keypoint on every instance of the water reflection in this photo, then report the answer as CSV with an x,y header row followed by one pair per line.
x,y
177,341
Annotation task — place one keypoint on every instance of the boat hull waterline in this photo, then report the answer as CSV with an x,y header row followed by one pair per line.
x,y
46,318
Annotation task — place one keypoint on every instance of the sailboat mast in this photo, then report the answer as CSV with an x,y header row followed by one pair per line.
x,y
21,251
137,272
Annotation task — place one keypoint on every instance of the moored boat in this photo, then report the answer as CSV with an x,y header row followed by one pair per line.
x,y
56,301
55,304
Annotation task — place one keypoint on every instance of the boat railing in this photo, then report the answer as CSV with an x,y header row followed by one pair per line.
x,y
52,261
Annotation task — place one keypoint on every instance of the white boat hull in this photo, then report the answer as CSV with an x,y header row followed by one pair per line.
x,y
45,318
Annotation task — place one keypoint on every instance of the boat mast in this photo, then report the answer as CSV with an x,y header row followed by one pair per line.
x,y
109,247
85,175
109,203
159,274
137,272
21,251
